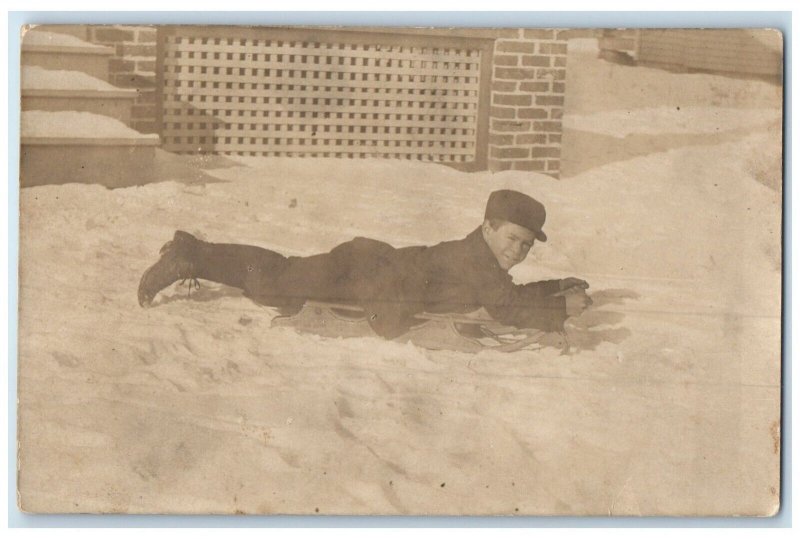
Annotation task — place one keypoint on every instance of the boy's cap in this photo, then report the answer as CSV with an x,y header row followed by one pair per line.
x,y
517,208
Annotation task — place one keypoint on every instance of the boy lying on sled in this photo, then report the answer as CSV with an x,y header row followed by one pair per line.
x,y
391,285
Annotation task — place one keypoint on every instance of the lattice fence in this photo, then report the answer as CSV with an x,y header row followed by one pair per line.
x,y
324,93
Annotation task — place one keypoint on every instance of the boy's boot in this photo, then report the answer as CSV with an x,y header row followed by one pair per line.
x,y
178,261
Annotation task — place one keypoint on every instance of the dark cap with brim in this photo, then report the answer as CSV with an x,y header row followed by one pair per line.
x,y
517,208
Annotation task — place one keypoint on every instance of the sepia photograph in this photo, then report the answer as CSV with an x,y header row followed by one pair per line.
x,y
322,270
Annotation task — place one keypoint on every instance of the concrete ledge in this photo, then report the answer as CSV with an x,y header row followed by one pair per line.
x,y
108,165
64,52
82,147
91,64
144,141
60,49
116,104
120,93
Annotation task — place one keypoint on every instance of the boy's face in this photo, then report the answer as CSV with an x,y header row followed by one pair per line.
x,y
510,243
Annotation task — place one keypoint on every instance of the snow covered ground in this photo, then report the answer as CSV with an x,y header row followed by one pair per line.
x,y
668,404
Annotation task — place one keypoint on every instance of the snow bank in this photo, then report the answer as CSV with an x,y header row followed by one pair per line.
x,y
678,120
198,405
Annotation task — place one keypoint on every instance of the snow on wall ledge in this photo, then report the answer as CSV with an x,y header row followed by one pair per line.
x,y
40,37
38,78
77,125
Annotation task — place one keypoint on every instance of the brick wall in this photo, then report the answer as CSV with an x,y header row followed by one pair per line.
x,y
528,86
132,66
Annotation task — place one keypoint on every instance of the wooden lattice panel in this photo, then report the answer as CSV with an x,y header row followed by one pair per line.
x,y
320,94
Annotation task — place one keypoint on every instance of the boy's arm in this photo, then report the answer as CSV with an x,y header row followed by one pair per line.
x,y
529,305
544,288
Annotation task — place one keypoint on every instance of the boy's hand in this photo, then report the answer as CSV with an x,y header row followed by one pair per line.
x,y
571,282
577,302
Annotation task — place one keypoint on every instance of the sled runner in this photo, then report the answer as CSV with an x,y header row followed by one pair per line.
x,y
471,332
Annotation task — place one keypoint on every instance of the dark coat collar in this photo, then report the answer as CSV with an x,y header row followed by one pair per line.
x,y
481,249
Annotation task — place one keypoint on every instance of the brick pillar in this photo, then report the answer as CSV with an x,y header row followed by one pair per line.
x,y
133,66
528,101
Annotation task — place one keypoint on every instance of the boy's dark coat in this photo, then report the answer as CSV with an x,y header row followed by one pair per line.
x,y
394,284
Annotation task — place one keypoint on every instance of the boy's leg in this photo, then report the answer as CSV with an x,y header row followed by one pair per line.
x,y
186,257
235,265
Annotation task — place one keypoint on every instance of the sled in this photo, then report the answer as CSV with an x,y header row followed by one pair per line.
x,y
470,332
